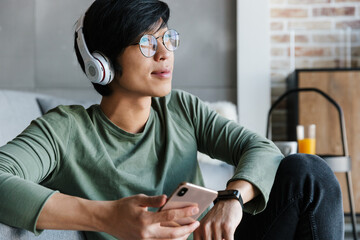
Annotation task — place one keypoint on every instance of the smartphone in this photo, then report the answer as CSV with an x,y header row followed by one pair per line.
x,y
187,194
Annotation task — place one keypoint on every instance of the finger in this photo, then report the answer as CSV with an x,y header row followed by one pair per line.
x,y
174,214
151,201
185,237
170,224
174,232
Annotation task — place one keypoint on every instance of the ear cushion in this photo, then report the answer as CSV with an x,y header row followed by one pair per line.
x,y
94,70
106,73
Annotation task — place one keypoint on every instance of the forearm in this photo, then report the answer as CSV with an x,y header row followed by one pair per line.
x,y
72,213
126,218
21,201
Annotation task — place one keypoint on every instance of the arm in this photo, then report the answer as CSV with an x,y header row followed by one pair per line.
x,y
256,160
126,218
24,162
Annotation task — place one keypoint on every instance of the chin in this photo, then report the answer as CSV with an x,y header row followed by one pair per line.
x,y
162,92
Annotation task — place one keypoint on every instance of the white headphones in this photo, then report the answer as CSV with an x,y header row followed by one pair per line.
x,y
98,67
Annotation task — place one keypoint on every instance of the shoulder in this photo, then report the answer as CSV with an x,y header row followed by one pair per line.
x,y
66,111
64,116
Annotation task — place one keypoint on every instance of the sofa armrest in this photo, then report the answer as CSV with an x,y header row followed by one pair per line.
x,y
11,233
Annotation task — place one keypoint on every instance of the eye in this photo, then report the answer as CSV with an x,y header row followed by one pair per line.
x,y
144,41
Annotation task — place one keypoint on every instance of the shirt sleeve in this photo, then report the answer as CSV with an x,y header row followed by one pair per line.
x,y
256,158
26,161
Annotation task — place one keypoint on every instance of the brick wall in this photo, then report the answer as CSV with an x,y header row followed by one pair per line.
x,y
310,34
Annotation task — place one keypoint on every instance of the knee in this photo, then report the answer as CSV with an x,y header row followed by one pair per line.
x,y
306,166
304,162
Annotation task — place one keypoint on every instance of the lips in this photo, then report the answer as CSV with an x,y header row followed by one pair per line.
x,y
163,73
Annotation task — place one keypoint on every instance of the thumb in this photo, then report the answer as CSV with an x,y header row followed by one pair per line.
x,y
151,201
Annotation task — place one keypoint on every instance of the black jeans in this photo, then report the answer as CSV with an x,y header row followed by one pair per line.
x,y
305,203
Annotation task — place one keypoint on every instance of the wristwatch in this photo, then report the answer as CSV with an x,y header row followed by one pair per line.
x,y
229,194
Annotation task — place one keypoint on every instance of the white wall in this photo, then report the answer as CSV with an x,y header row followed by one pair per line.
x,y
253,64
36,48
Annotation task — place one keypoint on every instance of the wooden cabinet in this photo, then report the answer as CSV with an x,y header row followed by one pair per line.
x,y
343,85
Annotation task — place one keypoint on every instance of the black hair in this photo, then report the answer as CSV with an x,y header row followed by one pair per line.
x,y
112,25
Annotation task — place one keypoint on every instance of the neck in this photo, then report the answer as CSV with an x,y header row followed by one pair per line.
x,y
128,113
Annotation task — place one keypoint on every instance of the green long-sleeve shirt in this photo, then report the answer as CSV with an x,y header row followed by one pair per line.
x,y
80,152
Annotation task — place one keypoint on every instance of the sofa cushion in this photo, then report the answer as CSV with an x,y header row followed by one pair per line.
x,y
17,110
10,233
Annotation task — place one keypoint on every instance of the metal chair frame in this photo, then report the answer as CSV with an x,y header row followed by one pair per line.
x,y
340,163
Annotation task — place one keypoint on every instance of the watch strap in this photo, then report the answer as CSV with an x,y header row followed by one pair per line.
x,y
229,194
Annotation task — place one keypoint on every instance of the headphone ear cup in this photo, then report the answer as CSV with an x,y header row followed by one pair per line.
x,y
98,68
106,74
94,70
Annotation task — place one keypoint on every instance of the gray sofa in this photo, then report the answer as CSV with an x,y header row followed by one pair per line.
x,y
10,233
19,108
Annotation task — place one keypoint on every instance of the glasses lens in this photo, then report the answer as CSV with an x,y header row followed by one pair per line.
x,y
171,40
148,45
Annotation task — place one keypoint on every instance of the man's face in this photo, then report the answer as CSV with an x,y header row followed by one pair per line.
x,y
145,76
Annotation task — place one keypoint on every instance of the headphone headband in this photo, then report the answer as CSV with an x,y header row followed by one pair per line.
x,y
80,23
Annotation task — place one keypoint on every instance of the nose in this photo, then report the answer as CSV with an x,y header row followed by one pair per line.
x,y
162,53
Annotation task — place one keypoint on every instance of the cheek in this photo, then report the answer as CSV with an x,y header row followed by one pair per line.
x,y
131,61
132,67
134,73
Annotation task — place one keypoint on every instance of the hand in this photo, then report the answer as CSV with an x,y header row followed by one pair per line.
x,y
220,222
129,218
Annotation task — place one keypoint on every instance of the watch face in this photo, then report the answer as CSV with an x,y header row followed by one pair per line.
x,y
229,193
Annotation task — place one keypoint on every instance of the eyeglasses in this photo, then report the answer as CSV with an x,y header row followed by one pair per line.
x,y
148,43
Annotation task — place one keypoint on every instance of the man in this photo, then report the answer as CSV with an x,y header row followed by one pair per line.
x,y
105,169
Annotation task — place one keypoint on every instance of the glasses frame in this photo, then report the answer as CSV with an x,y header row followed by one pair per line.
x,y
156,38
